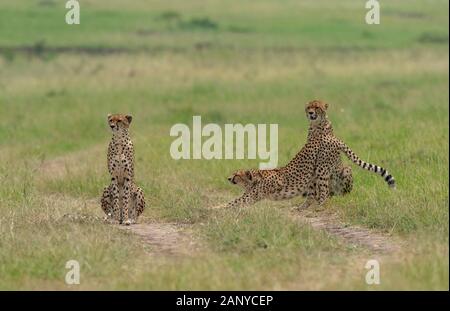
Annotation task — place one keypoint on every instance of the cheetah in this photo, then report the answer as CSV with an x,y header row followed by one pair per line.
x,y
286,182
311,169
328,161
247,178
122,200
341,182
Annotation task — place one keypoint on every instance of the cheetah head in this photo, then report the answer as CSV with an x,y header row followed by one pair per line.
x,y
119,122
244,178
316,110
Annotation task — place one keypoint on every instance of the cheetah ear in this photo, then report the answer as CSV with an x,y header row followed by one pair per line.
x,y
109,116
326,106
248,174
129,118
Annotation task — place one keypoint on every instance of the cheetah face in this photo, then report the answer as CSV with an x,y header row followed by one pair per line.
x,y
119,122
244,178
241,177
316,110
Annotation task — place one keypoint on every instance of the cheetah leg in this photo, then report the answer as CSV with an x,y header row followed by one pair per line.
x,y
267,188
115,195
323,187
252,195
311,196
137,204
126,199
106,203
245,199
310,200
336,183
341,181
140,201
347,179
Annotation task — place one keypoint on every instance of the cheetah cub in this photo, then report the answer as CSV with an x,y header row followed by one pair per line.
x,y
122,200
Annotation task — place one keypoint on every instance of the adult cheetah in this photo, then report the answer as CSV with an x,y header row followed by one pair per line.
x,y
287,182
122,200
328,161
341,182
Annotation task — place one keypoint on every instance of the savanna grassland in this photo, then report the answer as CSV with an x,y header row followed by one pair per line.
x,y
230,62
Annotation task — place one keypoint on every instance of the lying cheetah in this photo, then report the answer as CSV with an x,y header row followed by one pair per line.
x,y
285,183
341,182
311,168
122,200
247,178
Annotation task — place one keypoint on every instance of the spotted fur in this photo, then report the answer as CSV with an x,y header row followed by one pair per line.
x,y
122,200
328,160
248,178
286,182
341,181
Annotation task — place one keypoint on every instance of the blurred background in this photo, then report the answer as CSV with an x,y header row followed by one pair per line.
x,y
230,62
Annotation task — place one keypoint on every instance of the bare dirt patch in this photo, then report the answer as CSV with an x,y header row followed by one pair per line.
x,y
62,166
165,238
354,235
170,239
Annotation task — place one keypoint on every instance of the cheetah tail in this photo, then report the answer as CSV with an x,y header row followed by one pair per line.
x,y
388,178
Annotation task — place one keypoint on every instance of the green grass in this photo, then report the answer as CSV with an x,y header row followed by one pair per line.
x,y
240,62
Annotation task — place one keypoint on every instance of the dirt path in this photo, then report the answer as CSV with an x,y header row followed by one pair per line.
x,y
165,238
177,239
71,164
169,239
353,235
161,238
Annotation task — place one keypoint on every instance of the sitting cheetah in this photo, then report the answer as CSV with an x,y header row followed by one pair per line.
x,y
311,169
340,179
328,160
122,200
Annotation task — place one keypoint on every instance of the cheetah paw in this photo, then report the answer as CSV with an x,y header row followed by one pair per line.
x,y
127,222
